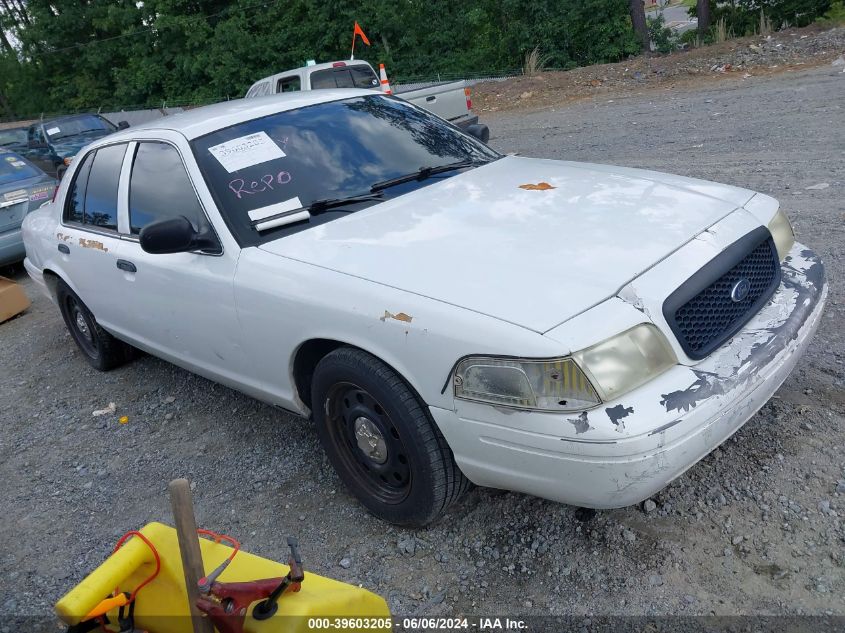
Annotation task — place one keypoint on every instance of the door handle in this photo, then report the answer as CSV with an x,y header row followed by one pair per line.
x,y
64,248
431,98
127,266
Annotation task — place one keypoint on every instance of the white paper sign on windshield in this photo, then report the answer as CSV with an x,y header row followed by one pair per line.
x,y
275,209
53,131
246,151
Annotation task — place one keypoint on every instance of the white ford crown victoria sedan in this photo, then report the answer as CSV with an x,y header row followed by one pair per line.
x,y
442,313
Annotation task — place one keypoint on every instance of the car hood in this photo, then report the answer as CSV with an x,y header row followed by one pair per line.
x,y
497,240
71,145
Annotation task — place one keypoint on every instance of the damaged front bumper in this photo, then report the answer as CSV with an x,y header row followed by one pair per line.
x,y
623,452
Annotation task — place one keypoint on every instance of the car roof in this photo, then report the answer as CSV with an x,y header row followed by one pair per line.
x,y
314,67
201,121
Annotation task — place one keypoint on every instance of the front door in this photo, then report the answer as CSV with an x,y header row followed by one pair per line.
x,y
178,306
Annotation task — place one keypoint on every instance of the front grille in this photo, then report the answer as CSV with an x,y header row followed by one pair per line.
x,y
709,307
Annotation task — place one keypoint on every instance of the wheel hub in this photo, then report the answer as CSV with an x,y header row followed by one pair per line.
x,y
82,325
370,440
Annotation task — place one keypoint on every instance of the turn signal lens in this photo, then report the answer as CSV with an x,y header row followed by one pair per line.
x,y
626,361
782,233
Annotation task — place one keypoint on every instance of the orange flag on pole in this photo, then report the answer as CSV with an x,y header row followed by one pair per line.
x,y
356,32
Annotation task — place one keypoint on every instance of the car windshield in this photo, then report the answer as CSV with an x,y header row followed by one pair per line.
x,y
14,168
74,126
332,150
15,136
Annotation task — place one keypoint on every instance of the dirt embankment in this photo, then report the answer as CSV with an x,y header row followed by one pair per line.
x,y
740,58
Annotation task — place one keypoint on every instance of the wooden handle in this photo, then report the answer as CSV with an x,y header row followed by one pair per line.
x,y
189,546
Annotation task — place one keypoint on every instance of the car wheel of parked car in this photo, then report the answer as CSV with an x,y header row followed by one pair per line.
x,y
101,349
382,441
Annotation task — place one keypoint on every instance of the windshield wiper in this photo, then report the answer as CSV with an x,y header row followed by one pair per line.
x,y
327,204
422,173
314,208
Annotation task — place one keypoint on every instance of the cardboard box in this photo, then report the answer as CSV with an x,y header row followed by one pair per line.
x,y
13,300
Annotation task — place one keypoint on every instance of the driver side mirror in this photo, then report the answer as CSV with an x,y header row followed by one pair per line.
x,y
479,131
122,125
176,235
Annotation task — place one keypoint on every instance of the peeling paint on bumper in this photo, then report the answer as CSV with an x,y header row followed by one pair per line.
x,y
624,451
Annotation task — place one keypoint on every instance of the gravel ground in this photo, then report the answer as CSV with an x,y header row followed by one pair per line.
x,y
739,59
755,528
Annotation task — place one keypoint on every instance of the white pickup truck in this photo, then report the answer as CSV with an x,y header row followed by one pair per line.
x,y
450,100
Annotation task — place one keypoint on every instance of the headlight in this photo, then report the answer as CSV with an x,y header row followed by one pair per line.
x,y
626,361
781,231
547,385
597,374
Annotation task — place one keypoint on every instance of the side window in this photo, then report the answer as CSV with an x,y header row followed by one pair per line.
x,y
75,207
289,84
159,188
101,193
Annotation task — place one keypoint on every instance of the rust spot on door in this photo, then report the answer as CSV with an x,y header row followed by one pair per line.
x,y
540,186
399,316
92,244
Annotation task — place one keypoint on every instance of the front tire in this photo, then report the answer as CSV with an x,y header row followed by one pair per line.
x,y
100,349
381,440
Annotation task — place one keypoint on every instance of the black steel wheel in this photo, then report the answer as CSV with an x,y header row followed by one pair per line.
x,y
100,349
381,440
368,442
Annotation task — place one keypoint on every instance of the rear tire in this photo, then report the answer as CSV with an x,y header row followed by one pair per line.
x,y
100,349
381,440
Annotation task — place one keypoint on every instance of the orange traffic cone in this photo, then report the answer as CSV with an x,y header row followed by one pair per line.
x,y
385,85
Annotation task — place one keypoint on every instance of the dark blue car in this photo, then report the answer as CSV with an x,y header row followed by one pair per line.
x,y
13,139
52,144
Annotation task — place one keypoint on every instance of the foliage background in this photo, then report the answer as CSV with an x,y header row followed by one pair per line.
x,y
196,50
65,55
742,17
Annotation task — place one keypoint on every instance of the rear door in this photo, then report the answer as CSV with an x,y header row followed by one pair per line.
x,y
89,240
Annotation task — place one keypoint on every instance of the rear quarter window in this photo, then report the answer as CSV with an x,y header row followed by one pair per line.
x,y
75,207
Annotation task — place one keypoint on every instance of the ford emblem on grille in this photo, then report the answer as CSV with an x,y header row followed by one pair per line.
x,y
740,290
